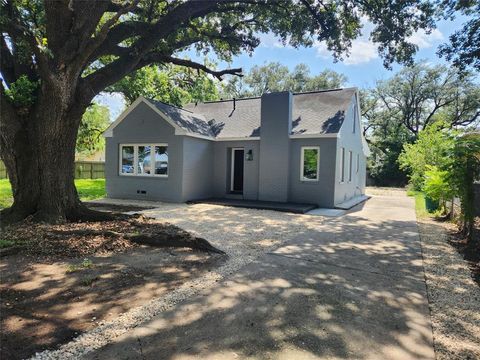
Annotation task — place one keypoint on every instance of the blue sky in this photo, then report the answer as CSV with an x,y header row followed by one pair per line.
x,y
363,68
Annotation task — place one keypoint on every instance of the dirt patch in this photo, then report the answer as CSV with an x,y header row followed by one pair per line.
x,y
46,304
61,280
469,250
51,242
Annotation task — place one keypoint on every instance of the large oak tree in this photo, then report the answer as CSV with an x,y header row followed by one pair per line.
x,y
57,55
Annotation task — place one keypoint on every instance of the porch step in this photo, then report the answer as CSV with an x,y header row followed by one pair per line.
x,y
234,196
346,205
261,205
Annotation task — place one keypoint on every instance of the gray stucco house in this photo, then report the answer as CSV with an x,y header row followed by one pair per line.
x,y
283,147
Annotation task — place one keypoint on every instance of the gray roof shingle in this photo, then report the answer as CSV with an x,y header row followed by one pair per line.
x,y
320,112
187,120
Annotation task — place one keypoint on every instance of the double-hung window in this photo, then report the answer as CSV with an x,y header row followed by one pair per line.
x,y
144,160
310,163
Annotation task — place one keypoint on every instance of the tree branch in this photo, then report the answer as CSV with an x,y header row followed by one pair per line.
x,y
164,27
95,42
194,65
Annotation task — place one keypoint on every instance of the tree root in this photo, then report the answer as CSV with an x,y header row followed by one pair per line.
x,y
157,239
84,214
168,240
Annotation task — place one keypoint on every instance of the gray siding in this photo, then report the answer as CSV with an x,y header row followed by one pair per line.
x,y
200,168
221,173
197,168
276,125
319,192
143,125
351,141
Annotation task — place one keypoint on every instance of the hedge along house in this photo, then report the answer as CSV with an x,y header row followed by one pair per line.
x,y
282,147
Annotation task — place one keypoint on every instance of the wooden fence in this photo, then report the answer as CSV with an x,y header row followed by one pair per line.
x,y
83,170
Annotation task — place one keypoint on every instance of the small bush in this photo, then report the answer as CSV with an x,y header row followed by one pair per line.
x,y
89,280
86,264
4,243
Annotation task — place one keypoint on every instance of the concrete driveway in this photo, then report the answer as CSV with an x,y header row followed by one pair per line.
x,y
350,288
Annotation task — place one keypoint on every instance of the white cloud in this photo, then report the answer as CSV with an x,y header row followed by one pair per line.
x,y
269,40
424,40
362,51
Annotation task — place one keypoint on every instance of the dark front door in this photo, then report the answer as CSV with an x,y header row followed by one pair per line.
x,y
237,170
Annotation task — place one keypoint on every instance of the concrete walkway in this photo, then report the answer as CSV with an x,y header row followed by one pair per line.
x,y
350,289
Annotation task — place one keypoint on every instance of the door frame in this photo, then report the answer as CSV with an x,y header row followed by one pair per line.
x,y
232,167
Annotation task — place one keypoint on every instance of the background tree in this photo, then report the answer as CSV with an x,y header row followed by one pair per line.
x,y
171,84
274,76
464,171
94,122
398,109
431,149
65,52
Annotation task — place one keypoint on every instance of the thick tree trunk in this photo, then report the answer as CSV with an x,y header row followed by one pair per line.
x,y
38,149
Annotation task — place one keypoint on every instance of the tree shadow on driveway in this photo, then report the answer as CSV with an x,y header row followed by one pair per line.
x,y
351,287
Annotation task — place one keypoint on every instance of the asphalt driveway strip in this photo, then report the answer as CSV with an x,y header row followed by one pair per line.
x,y
351,287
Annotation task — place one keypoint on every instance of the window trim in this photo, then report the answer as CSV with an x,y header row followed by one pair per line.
x,y
350,166
135,159
342,163
302,164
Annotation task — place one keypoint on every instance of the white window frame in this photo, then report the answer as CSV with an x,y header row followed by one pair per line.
x,y
350,166
135,160
342,163
302,164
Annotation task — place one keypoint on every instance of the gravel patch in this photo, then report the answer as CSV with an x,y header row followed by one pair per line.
x,y
454,297
244,234
385,191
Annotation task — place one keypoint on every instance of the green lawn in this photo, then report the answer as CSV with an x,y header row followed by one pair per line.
x,y
88,189
420,208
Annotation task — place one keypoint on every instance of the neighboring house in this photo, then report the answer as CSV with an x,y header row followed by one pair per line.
x,y
284,147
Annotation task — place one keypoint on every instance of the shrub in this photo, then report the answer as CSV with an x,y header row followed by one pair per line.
x,y
437,186
430,149
463,171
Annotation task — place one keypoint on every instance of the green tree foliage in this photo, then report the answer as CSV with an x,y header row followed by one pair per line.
x,y
171,84
430,149
94,122
437,185
22,92
464,170
464,47
274,76
397,110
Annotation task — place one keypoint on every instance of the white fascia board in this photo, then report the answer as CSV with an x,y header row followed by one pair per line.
x,y
123,115
314,136
178,129
238,138
198,136
140,99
